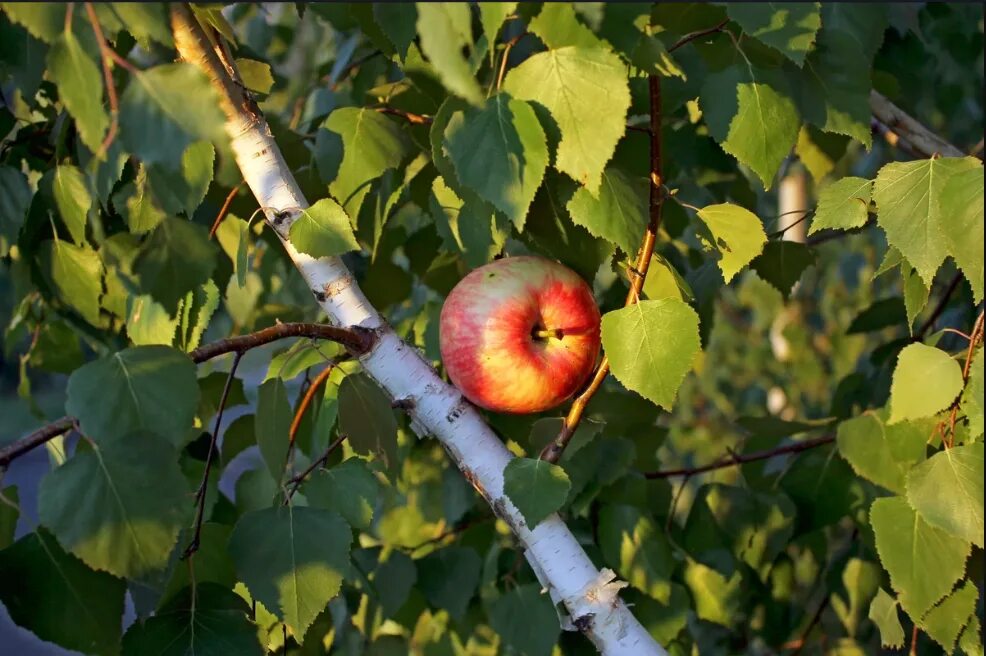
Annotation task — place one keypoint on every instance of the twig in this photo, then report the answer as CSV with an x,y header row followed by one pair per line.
x,y
974,339
410,117
200,494
839,234
691,36
554,449
307,401
37,438
914,641
106,60
733,459
799,644
923,141
506,53
937,312
455,530
353,65
357,340
295,481
225,208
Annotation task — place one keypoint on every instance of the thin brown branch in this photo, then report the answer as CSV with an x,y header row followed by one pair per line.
x,y
691,36
506,53
923,142
107,64
832,235
357,340
35,439
410,117
296,481
937,312
914,641
224,210
353,65
307,401
553,451
733,459
974,339
200,494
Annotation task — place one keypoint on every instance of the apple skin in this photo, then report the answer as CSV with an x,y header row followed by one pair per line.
x,y
487,334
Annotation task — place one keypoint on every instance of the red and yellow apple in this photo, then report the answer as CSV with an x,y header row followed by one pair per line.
x,y
520,334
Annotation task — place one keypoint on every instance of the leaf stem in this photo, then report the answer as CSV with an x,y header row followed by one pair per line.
x,y
107,63
296,481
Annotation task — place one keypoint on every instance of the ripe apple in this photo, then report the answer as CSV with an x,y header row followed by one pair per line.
x,y
520,334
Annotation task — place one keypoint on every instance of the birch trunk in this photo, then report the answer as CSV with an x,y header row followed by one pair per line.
x,y
437,409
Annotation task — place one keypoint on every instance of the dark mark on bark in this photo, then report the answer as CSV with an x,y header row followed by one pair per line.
x,y
457,410
319,295
406,404
584,623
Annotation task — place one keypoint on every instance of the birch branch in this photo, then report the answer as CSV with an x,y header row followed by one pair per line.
x,y
438,409
922,141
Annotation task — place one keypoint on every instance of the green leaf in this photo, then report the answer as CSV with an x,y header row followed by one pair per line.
x,y
273,420
445,29
146,21
397,20
118,506
366,417
448,578
717,599
45,20
970,640
80,87
152,388
538,488
663,621
526,620
57,598
491,17
634,546
880,452
394,580
749,111
909,198
586,92
183,191
883,613
843,205
15,199
860,581
135,202
77,274
371,144
205,619
836,97
947,491
292,559
200,304
256,75
349,488
916,293
781,264
789,28
736,234
323,230
499,150
472,229
926,380
149,323
618,213
651,346
9,512
882,314
664,281
177,258
819,151
923,561
864,23
972,396
754,527
961,212
557,26
211,563
73,200
157,123
944,622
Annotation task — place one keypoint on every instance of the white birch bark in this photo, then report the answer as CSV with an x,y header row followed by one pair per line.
x,y
439,410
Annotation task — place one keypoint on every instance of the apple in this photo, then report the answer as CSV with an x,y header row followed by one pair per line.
x,y
520,334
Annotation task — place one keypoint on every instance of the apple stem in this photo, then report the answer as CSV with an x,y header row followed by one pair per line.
x,y
557,333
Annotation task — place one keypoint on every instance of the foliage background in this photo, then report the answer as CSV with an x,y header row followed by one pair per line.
x,y
758,558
